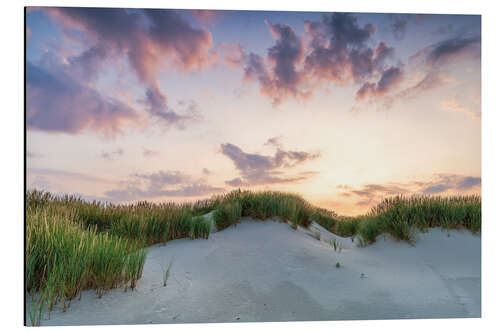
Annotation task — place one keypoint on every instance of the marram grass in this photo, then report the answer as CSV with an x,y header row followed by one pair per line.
x,y
73,245
402,217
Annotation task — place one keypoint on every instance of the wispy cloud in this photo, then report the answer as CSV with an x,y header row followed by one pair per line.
x,y
451,49
69,174
370,194
398,27
257,169
59,102
163,183
390,79
149,153
455,106
432,62
112,154
274,141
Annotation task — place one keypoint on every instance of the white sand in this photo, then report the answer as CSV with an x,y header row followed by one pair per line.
x,y
266,271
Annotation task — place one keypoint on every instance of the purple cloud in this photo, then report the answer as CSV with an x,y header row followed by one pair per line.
x,y
370,194
256,169
161,184
338,47
390,79
450,49
112,154
436,56
58,102
334,49
148,38
398,27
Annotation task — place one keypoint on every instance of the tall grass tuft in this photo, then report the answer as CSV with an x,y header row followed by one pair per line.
x,y
263,205
368,230
227,214
402,217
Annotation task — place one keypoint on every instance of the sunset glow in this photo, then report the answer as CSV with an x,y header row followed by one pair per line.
x,y
177,105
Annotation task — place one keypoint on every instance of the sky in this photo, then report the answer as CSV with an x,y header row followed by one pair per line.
x,y
345,109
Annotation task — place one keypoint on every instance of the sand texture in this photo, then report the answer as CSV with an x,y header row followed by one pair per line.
x,y
266,271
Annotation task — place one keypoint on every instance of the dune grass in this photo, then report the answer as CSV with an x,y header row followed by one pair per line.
x,y
261,206
402,217
63,258
73,245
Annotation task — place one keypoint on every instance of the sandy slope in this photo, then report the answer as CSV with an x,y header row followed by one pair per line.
x,y
266,271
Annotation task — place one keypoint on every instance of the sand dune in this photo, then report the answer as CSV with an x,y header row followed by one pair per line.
x,y
266,271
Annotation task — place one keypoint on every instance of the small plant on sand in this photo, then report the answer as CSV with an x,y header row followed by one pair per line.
x,y
317,235
37,307
166,274
360,241
337,245
337,265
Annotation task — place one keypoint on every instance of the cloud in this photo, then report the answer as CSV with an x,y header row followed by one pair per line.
x,y
148,152
445,182
206,172
233,55
111,154
157,106
163,183
274,141
206,16
65,176
398,27
455,106
285,57
370,194
468,183
148,38
335,49
139,186
161,178
399,23
432,59
58,102
280,76
338,48
452,49
432,62
256,169
135,193
389,80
